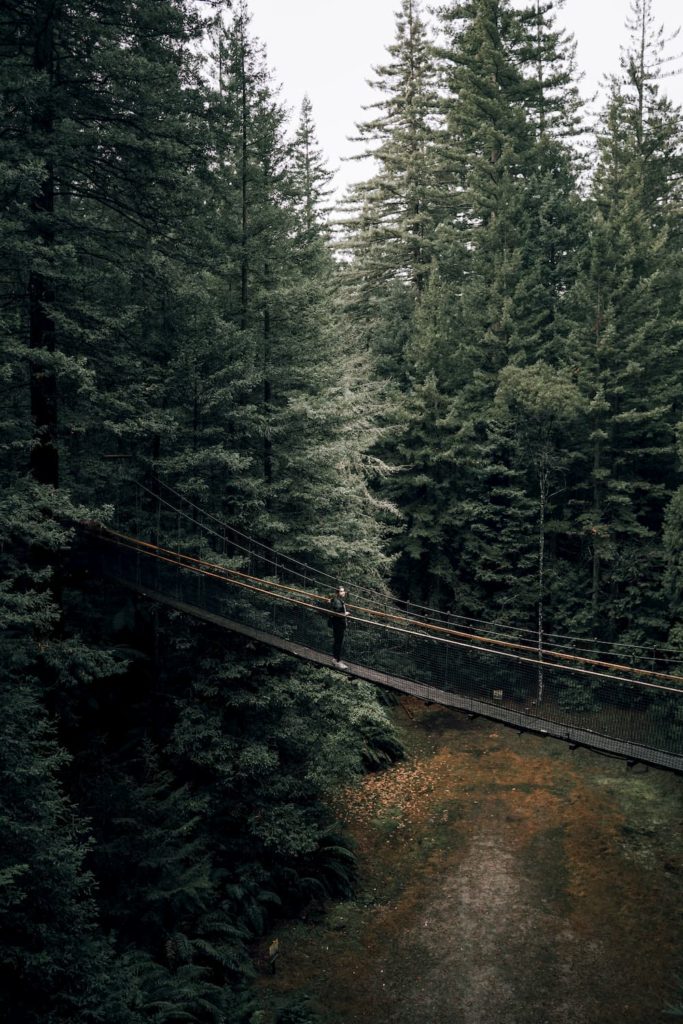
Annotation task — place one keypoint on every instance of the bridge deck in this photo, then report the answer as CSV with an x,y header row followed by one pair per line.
x,y
517,719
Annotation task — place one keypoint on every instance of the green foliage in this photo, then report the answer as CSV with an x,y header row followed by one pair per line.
x,y
675,1010
168,301
298,1011
538,295
578,697
166,996
389,230
497,359
627,343
54,963
673,547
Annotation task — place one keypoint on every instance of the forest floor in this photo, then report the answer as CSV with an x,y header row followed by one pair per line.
x,y
504,879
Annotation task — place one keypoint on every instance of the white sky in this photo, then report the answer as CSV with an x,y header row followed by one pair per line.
x,y
327,48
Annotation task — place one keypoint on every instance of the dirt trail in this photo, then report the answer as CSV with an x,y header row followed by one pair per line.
x,y
491,949
505,880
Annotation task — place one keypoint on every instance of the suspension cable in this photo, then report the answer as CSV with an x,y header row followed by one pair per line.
x,y
153,549
416,611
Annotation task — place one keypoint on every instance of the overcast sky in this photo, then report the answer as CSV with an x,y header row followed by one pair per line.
x,y
327,48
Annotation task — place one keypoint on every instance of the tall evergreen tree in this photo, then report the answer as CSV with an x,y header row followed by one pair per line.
x,y
390,219
511,100
99,106
101,111
503,264
304,386
53,964
312,180
388,236
543,408
98,132
484,157
628,341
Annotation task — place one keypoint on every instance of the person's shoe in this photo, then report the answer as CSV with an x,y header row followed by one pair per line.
x,y
341,664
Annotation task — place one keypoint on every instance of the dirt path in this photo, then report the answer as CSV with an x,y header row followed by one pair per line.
x,y
505,880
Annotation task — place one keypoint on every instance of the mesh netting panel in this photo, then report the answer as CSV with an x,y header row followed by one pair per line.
x,y
620,715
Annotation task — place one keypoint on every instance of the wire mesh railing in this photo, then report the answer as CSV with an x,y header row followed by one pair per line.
x,y
164,515
609,706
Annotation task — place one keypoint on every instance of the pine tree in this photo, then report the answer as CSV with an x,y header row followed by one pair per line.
x,y
511,101
101,109
628,341
53,963
303,478
169,305
553,221
89,168
482,307
485,154
543,408
391,219
388,237
312,183
525,237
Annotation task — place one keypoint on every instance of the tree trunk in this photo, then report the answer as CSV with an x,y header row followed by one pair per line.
x,y
597,514
543,490
267,406
42,381
244,258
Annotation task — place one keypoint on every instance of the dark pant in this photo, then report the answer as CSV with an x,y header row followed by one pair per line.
x,y
338,629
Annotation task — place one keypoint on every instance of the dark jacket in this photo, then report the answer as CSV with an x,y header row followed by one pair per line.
x,y
339,619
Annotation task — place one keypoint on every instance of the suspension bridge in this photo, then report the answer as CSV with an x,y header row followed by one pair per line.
x,y
176,554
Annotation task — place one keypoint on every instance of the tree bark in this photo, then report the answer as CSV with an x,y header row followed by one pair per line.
x,y
42,380
543,491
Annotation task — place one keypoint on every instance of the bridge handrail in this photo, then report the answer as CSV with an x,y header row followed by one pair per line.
x,y
201,566
420,612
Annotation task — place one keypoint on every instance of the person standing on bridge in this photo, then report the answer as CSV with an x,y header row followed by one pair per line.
x,y
338,619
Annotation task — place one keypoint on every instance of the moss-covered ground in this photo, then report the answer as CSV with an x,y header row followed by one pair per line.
x,y
504,879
